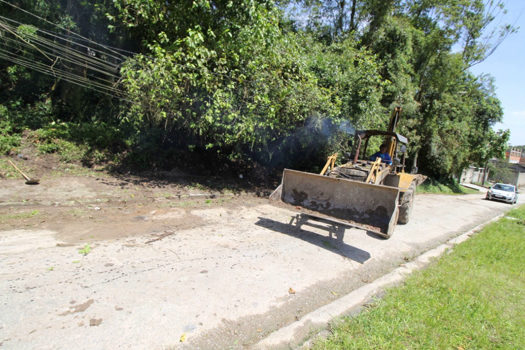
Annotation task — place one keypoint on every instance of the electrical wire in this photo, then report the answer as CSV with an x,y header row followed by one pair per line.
x,y
64,58
66,49
57,36
12,44
68,55
65,75
61,27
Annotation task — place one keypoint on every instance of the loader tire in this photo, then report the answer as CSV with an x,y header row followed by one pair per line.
x,y
406,204
350,173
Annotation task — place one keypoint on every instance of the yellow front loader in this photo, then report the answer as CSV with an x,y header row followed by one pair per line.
x,y
368,193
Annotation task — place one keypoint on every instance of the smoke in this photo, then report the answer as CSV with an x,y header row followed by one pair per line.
x,y
307,147
346,127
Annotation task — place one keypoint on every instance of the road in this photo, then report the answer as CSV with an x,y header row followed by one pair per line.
x,y
238,273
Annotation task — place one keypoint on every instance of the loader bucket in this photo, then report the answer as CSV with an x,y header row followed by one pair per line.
x,y
371,207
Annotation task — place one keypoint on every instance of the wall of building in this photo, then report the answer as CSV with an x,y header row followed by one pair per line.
x,y
518,178
472,175
520,181
513,155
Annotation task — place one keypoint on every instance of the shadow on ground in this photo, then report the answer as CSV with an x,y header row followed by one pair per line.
x,y
330,243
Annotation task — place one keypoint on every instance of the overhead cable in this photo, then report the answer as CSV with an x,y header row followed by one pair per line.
x,y
61,27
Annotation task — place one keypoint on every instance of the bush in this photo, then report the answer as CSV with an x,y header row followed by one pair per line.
x,y
86,142
9,140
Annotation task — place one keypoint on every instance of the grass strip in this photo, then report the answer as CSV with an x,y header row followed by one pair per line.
x,y
472,298
436,187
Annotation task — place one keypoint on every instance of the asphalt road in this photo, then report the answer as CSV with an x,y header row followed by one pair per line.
x,y
228,282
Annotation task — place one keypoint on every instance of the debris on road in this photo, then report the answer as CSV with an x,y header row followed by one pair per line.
x,y
161,236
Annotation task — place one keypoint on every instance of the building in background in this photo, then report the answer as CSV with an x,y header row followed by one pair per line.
x,y
511,170
515,156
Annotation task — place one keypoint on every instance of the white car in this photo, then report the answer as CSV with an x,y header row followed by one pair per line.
x,y
503,192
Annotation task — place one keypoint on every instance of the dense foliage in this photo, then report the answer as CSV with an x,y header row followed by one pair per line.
x,y
280,83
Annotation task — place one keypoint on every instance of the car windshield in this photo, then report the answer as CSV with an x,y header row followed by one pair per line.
x,y
508,188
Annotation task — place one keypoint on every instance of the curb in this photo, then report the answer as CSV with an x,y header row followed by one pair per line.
x,y
296,333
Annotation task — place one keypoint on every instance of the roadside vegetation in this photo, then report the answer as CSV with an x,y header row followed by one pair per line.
x,y
472,298
446,187
247,84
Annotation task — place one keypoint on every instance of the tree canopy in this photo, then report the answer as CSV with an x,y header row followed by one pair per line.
x,y
281,83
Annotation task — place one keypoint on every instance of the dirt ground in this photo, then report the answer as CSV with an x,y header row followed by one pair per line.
x,y
104,263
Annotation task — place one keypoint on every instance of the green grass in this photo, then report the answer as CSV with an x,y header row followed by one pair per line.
x,y
77,212
85,250
436,187
518,213
473,298
8,171
19,216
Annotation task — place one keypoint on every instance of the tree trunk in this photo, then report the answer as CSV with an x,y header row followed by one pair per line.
x,y
340,17
414,164
484,174
352,15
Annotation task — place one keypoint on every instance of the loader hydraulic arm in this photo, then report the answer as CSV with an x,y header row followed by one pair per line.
x,y
330,164
394,119
391,143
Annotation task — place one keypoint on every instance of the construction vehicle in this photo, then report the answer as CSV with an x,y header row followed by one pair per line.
x,y
363,192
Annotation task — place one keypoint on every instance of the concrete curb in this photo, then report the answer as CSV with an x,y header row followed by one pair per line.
x,y
474,187
296,333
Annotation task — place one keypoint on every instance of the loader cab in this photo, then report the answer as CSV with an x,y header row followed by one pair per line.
x,y
367,142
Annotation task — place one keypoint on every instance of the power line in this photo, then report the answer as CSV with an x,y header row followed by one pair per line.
x,y
60,73
23,40
57,36
69,31
64,57
61,52
82,64
57,73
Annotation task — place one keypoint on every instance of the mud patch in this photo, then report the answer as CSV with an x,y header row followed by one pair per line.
x,y
78,308
115,224
298,197
95,322
171,214
49,190
89,209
